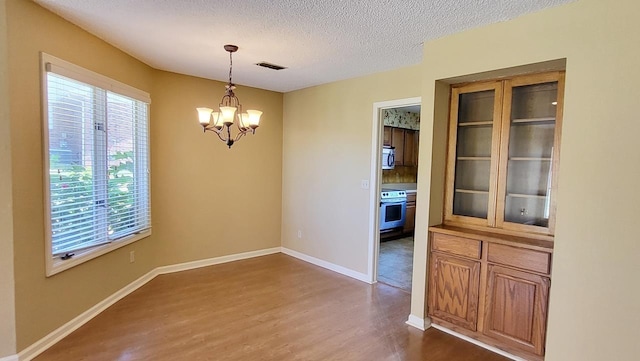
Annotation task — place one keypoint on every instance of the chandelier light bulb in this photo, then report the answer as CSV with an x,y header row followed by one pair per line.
x,y
228,115
254,118
204,115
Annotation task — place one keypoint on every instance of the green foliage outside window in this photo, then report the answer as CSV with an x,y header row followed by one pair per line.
x,y
75,196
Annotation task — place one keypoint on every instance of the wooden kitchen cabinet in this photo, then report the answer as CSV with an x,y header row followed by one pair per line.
x,y
410,148
491,287
397,141
386,136
405,142
410,214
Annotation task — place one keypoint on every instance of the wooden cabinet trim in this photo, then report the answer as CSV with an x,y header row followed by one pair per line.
x,y
556,153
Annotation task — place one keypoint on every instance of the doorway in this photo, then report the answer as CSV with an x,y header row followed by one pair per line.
x,y
395,126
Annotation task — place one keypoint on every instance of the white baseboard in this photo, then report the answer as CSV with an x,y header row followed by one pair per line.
x,y
328,265
478,343
49,340
418,322
216,260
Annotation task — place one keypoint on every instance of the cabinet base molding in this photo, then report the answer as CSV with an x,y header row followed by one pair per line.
x,y
477,343
419,323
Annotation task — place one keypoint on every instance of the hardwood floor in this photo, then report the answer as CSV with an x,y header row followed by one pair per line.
x,y
267,308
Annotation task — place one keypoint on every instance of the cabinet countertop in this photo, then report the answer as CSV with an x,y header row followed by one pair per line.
x,y
407,187
518,241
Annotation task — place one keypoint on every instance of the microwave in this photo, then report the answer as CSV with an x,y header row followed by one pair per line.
x,y
388,157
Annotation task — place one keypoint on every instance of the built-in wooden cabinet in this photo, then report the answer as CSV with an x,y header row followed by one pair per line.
x,y
504,147
491,287
499,215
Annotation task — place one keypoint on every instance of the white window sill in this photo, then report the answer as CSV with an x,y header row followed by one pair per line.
x,y
56,265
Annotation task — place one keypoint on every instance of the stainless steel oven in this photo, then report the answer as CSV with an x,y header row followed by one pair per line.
x,y
393,209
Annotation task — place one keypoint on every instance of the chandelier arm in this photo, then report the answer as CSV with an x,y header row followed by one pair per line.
x,y
218,133
240,123
239,135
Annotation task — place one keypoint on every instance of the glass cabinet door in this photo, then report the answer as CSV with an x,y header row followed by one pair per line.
x,y
528,152
476,111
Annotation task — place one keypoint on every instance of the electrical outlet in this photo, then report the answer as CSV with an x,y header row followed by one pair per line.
x,y
299,234
364,184
132,256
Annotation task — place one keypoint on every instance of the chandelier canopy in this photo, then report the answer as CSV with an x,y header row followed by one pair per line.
x,y
230,112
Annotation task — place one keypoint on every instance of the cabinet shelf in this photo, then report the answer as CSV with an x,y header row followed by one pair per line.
x,y
533,159
471,124
471,191
533,120
474,158
520,195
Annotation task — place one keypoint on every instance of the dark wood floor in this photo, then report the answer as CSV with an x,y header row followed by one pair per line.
x,y
268,308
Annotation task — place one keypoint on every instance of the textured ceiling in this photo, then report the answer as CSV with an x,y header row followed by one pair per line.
x,y
318,41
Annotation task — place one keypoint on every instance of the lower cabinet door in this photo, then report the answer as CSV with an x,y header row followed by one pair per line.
x,y
516,308
410,218
454,285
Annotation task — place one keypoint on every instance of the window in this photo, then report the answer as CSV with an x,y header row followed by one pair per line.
x,y
96,164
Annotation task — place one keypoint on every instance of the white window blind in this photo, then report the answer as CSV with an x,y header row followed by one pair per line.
x,y
98,153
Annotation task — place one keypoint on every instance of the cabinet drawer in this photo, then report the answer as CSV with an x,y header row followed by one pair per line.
x,y
456,245
521,258
411,197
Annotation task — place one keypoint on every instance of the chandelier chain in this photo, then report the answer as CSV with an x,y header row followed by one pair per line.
x,y
230,66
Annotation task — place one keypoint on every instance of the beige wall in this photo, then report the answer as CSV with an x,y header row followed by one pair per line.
x,y
327,152
43,304
7,307
208,200
595,298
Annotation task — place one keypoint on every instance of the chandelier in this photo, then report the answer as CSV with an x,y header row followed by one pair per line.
x,y
230,112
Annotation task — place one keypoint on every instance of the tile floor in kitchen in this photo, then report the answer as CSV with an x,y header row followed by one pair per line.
x,y
395,263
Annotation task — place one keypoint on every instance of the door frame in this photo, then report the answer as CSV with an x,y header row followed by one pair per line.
x,y
376,177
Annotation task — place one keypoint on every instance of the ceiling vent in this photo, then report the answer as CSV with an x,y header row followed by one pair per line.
x,y
270,66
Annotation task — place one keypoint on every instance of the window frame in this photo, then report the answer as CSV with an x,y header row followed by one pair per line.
x,y
49,63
